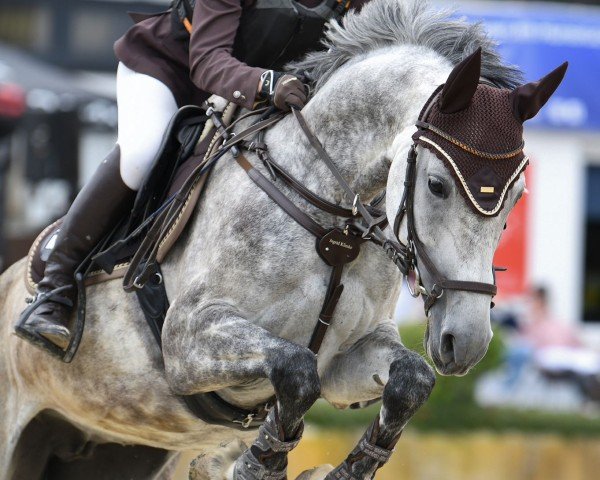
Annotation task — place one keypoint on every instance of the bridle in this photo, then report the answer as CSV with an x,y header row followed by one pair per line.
x,y
403,255
364,222
414,248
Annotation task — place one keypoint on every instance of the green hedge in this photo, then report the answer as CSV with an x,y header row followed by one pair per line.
x,y
452,407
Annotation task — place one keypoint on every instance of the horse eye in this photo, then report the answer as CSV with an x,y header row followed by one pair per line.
x,y
437,187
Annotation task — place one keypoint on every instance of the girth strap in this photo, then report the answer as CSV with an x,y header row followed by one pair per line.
x,y
209,406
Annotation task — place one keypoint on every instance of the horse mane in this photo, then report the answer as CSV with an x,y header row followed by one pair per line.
x,y
386,23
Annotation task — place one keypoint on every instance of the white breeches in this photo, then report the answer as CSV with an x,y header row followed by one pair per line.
x,y
146,106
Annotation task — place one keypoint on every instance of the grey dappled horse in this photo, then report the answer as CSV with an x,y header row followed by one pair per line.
x,y
246,285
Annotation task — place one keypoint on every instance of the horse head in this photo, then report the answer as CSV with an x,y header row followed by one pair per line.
x,y
468,176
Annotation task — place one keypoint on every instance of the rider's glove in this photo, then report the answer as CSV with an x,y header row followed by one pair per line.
x,y
282,90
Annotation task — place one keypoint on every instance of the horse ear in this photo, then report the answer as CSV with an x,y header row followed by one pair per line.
x,y
528,99
461,84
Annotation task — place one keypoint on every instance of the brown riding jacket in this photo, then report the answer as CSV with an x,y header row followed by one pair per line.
x,y
195,67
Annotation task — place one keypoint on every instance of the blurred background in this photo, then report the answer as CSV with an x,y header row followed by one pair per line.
x,y
530,410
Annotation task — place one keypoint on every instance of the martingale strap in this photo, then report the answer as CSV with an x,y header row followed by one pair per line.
x,y
334,292
335,288
348,239
327,239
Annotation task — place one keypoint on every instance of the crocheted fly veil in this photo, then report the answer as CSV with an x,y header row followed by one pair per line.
x,y
477,130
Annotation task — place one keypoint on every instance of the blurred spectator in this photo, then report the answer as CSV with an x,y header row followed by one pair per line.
x,y
541,328
547,366
541,342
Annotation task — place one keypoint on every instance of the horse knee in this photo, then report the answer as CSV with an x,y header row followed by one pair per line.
x,y
410,384
295,378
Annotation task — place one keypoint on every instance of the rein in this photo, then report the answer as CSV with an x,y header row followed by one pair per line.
x,y
367,228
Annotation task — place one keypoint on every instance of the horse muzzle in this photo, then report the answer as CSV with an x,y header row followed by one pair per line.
x,y
454,351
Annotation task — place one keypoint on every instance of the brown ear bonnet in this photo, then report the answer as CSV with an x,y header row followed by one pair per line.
x,y
477,130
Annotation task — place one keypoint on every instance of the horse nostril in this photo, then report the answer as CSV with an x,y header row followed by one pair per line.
x,y
447,348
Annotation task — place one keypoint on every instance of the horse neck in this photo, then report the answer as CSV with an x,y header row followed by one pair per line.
x,y
357,127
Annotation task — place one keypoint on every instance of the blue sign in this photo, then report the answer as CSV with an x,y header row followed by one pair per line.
x,y
538,38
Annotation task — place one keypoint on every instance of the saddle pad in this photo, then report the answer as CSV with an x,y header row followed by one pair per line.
x,y
43,244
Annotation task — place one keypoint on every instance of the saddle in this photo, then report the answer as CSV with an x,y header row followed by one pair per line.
x,y
191,140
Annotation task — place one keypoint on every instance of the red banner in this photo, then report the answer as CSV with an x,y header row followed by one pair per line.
x,y
512,251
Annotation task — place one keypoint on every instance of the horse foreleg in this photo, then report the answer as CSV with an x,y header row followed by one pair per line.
x,y
221,349
14,419
379,365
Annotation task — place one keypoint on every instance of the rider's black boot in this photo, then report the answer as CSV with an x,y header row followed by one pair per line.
x,y
99,205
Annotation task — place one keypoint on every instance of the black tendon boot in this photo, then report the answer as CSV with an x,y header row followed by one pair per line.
x,y
99,205
267,457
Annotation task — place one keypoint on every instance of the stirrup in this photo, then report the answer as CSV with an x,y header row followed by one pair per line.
x,y
28,333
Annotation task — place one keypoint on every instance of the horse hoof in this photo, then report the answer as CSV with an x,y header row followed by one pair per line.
x,y
218,465
317,473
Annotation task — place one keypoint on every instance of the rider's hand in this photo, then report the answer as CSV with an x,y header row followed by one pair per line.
x,y
289,92
283,90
